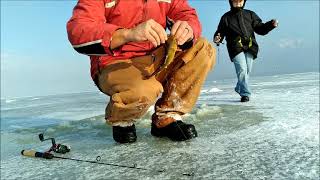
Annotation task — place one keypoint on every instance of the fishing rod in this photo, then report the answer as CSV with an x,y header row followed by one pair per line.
x,y
48,155
62,149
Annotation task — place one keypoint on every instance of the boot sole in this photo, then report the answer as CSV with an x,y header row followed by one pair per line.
x,y
191,134
129,140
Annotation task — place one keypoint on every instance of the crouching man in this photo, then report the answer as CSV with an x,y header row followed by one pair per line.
x,y
126,42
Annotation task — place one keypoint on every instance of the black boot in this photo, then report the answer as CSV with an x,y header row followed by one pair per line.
x,y
124,134
176,131
244,99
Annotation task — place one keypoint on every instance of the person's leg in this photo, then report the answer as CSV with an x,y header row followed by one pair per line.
x,y
241,67
130,93
183,82
249,60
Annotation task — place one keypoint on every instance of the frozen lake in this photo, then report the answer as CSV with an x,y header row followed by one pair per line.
x,y
274,136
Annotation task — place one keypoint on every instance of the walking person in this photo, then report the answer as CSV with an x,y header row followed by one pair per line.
x,y
239,26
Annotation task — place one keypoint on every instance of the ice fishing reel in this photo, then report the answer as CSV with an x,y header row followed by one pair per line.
x,y
58,148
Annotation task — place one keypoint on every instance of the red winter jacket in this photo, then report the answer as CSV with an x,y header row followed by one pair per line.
x,y
94,21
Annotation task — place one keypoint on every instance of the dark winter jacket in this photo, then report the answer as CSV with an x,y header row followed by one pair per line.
x,y
238,26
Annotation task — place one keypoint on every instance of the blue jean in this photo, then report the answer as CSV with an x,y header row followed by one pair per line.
x,y
243,65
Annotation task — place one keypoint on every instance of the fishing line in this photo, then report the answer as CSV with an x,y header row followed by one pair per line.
x,y
218,53
218,47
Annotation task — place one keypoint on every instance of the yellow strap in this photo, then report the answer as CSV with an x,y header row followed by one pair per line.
x,y
250,42
241,45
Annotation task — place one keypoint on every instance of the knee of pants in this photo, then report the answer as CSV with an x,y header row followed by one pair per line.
x,y
241,75
249,70
242,70
240,67
132,104
209,52
149,90
202,53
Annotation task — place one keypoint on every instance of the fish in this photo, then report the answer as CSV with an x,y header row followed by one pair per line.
x,y
171,48
170,52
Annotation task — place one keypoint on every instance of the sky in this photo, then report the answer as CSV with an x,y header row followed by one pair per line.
x,y
38,60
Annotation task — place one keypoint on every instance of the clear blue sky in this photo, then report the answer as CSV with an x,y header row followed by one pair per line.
x,y
37,59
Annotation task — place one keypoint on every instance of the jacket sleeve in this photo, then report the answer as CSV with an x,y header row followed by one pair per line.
x,y
87,29
221,28
181,10
260,27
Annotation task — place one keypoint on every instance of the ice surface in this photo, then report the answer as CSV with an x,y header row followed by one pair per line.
x,y
273,136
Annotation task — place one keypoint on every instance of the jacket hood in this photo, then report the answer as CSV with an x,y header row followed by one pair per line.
x,y
232,8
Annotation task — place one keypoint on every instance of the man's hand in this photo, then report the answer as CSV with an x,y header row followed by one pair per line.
x,y
182,32
275,22
148,31
217,39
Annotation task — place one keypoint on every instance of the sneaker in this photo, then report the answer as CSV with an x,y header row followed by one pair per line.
x,y
124,134
176,131
244,99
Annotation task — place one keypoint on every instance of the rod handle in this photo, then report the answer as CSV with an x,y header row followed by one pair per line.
x,y
33,153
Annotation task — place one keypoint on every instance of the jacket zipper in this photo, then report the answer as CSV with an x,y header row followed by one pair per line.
x,y
244,27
